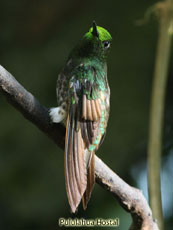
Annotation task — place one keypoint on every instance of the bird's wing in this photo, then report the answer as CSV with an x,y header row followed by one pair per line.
x,y
82,139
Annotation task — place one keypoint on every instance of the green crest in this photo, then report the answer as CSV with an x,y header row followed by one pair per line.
x,y
98,31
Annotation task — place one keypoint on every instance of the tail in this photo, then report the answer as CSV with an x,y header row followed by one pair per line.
x,y
82,139
74,165
90,181
79,169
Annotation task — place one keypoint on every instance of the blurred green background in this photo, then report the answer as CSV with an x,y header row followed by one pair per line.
x,y
36,37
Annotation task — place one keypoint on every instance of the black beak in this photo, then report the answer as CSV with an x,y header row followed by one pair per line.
x,y
95,32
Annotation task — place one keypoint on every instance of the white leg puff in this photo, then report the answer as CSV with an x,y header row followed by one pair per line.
x,y
57,114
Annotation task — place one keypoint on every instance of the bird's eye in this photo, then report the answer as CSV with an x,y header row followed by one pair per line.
x,y
106,44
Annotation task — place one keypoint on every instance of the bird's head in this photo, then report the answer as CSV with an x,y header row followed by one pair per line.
x,y
95,43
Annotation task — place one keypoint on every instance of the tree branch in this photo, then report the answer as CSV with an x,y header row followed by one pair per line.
x,y
131,199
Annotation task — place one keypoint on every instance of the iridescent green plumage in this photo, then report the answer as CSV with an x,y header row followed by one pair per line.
x,y
83,96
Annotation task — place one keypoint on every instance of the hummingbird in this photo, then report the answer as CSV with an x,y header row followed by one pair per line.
x,y
83,98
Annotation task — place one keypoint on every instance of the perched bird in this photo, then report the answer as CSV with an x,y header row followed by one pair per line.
x,y
83,106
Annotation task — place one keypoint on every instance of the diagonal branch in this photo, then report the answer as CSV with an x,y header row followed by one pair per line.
x,y
131,199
